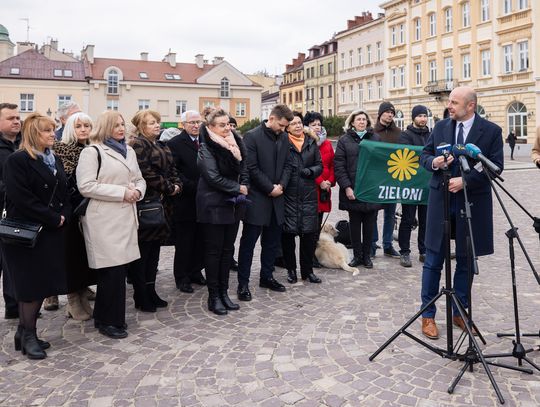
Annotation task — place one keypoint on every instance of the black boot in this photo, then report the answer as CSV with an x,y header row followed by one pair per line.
x,y
226,301
215,305
18,336
291,276
30,345
367,262
356,261
154,298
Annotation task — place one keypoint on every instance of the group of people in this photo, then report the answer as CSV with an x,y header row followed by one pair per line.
x,y
112,201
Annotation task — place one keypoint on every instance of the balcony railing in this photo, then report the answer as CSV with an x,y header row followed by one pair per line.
x,y
442,86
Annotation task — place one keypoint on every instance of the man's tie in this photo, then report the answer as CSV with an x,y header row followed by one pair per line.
x,y
460,139
196,141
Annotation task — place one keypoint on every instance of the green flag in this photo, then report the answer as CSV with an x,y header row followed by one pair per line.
x,y
391,173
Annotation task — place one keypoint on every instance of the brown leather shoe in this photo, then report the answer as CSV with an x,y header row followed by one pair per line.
x,y
429,328
458,321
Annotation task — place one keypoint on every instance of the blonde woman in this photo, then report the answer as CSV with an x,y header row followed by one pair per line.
x,y
36,192
110,222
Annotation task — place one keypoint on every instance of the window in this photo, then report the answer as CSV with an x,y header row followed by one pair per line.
x,y
402,76
484,10
342,60
379,51
522,4
394,78
63,99
448,69
112,84
368,48
360,57
380,89
432,71
330,68
485,55
143,75
351,93
241,109
360,94
417,29
448,19
508,62
329,112
210,103
68,73
27,102
432,24
350,58
224,88
144,104
181,107
393,36
343,94
369,90
418,73
307,74
517,119
330,91
402,34
399,119
14,71
507,6
112,104
430,121
312,72
321,92
466,59
523,55
466,14
57,72
321,70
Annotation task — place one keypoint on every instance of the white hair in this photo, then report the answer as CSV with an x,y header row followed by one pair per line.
x,y
65,108
187,113
68,135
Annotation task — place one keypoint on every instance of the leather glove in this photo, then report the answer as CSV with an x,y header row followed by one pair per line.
x,y
306,173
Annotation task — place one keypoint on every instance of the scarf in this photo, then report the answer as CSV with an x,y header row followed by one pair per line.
x,y
118,146
228,143
361,134
322,136
48,159
297,141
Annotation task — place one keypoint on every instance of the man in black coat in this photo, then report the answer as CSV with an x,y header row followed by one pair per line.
x,y
10,138
64,111
416,134
188,256
267,150
463,126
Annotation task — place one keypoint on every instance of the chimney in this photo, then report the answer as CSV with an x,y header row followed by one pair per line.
x,y
199,60
144,56
54,44
170,58
88,53
217,60
24,46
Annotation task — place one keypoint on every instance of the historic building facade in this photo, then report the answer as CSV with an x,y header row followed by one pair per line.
x,y
291,90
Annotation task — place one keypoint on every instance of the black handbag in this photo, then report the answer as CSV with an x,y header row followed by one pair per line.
x,y
18,232
80,210
151,213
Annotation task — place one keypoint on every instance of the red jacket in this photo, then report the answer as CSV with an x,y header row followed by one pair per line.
x,y
327,156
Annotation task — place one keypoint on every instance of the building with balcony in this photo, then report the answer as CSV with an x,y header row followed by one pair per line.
x,y
291,90
320,78
361,63
436,45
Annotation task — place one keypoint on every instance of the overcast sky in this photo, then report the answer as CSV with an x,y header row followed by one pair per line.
x,y
251,35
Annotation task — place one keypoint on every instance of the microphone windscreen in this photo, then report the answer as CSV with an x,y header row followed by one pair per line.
x,y
444,148
459,149
472,150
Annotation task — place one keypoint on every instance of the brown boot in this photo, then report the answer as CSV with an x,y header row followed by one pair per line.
x,y
51,303
460,323
429,328
83,296
74,308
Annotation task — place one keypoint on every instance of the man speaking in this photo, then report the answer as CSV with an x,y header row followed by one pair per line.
x,y
463,126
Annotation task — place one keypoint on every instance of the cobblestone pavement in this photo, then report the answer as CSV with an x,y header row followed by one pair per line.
x,y
306,347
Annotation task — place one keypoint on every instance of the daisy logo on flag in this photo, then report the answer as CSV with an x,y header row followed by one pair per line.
x,y
403,164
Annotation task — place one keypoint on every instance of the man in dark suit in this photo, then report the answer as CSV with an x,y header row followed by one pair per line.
x,y
188,255
64,111
463,126
267,150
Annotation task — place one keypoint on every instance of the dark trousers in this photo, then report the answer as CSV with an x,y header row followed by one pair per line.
x,y
218,250
408,214
110,305
143,271
512,151
362,225
10,302
188,251
270,241
307,251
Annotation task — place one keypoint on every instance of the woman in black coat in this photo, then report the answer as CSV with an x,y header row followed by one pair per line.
x,y
301,205
221,203
362,215
36,192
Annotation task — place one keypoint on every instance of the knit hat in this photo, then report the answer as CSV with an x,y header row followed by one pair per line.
x,y
418,110
386,107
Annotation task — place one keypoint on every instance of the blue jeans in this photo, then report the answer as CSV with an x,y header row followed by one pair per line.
x,y
270,243
431,276
388,227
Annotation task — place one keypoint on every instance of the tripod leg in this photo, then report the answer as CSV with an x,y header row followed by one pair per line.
x,y
517,369
530,362
458,377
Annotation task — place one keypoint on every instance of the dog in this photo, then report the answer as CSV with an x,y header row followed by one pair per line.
x,y
331,254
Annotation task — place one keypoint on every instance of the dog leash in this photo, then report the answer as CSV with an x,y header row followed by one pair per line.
x,y
322,225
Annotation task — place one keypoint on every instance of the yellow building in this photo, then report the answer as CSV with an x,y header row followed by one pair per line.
x,y
436,45
320,78
291,91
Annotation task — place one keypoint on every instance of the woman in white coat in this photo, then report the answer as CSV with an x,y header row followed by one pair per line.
x,y
114,184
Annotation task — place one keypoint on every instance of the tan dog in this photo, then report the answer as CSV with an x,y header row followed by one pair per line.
x,y
330,254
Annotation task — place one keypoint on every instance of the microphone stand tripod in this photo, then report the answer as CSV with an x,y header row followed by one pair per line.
x,y
519,352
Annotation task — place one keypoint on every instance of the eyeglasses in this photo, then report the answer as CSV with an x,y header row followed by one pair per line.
x,y
194,123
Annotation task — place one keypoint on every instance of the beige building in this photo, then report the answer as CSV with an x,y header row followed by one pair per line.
x,y
170,87
291,91
6,46
361,65
436,45
320,78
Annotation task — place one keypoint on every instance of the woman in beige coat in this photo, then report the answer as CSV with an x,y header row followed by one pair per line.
x,y
114,183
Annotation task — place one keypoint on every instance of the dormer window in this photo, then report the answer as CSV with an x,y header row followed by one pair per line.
x,y
143,75
176,76
68,73
14,71
225,88
112,82
172,76
57,72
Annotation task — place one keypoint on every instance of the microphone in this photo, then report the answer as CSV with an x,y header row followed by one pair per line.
x,y
476,154
460,152
444,150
